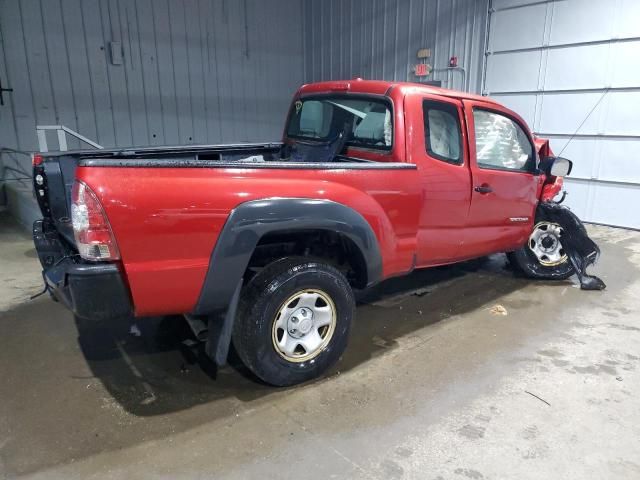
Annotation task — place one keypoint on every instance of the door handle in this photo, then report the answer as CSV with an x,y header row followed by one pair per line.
x,y
484,188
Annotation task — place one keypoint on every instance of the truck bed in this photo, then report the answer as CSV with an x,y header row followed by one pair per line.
x,y
58,169
168,205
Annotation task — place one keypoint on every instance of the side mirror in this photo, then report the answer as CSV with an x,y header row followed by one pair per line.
x,y
556,166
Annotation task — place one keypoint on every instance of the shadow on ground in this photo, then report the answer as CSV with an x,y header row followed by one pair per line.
x,y
156,374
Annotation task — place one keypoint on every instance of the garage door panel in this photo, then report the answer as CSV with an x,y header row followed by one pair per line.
x,y
509,72
517,28
626,63
563,113
616,114
615,205
588,66
576,67
612,160
622,114
523,105
577,21
581,151
620,160
627,24
610,204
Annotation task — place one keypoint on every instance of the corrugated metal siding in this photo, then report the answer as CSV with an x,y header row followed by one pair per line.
x,y
194,71
379,39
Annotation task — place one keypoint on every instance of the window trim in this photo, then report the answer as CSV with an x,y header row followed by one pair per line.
x,y
534,165
386,149
430,104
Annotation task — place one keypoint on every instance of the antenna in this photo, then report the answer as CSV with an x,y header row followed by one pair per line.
x,y
583,121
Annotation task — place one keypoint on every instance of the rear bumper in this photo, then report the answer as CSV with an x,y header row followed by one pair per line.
x,y
95,291
90,291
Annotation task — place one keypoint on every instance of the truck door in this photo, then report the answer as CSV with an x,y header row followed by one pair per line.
x,y
504,180
437,144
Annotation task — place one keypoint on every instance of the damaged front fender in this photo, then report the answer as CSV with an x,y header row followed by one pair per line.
x,y
581,250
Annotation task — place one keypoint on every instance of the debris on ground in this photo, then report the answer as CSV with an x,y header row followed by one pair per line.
x,y
536,396
498,310
420,292
380,342
135,330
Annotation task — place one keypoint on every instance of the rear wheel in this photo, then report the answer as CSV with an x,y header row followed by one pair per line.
x,y
294,320
543,256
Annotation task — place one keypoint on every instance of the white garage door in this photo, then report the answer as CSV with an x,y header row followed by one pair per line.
x,y
553,63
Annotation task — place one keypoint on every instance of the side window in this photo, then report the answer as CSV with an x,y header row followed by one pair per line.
x,y
442,131
501,143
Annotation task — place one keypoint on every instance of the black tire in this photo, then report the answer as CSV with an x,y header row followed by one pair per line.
x,y
260,303
526,262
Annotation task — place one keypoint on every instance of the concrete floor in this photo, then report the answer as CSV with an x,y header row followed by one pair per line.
x,y
436,384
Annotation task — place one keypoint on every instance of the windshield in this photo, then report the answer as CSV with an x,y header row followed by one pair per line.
x,y
364,121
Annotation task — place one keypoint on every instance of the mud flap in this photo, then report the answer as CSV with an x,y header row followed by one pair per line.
x,y
581,250
219,331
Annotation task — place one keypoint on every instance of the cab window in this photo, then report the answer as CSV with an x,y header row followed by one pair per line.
x,y
442,131
365,122
501,143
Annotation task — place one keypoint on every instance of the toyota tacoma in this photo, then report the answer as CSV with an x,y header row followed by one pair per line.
x,y
265,244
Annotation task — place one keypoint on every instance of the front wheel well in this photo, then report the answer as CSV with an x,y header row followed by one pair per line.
x,y
334,248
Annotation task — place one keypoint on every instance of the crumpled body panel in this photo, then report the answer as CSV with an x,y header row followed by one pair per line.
x,y
581,250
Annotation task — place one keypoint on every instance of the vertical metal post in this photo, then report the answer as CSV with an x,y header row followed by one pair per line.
x,y
42,140
62,140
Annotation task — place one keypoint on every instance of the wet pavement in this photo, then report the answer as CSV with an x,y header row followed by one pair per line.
x,y
456,372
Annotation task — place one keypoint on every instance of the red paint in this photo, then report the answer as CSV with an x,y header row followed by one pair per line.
x,y
166,220
550,190
553,185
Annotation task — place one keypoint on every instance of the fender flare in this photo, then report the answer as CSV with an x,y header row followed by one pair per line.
x,y
250,221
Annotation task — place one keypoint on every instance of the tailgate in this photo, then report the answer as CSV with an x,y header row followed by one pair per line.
x,y
53,181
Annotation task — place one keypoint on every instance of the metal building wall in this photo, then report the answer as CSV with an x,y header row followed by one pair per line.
x,y
379,39
193,71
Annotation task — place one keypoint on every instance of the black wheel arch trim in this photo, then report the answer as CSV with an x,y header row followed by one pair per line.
x,y
250,221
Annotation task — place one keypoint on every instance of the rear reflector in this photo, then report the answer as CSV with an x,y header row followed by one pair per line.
x,y
93,234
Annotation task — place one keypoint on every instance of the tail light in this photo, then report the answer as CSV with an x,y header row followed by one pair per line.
x,y
94,237
36,160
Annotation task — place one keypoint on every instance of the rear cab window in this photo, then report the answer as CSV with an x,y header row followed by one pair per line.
x,y
365,121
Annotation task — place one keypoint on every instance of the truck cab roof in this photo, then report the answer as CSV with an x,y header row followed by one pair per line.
x,y
382,87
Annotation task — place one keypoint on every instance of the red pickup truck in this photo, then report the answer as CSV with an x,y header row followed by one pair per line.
x,y
265,243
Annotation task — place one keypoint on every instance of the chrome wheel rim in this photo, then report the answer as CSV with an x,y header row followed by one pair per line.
x,y
546,244
304,325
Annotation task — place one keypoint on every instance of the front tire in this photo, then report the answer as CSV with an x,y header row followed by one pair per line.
x,y
543,256
294,321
